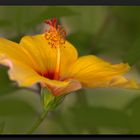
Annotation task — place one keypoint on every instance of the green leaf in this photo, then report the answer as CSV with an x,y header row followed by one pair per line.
x,y
132,55
16,18
127,13
100,117
6,86
133,109
82,41
2,126
89,18
19,111
4,23
79,118
14,107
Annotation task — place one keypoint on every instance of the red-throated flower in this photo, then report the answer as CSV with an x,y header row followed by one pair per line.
x,y
51,60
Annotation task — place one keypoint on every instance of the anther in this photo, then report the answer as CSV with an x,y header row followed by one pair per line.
x,y
55,34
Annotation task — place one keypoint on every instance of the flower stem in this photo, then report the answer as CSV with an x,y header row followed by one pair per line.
x,y
50,102
39,121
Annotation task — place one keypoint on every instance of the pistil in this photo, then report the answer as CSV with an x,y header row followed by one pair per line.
x,y
56,38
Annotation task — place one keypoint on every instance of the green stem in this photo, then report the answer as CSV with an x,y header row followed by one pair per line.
x,y
50,102
39,121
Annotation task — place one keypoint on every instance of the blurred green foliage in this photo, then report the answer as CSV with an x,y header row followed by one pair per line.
x,y
111,32
6,86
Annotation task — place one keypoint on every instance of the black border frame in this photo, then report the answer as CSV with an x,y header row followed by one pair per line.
x,y
70,2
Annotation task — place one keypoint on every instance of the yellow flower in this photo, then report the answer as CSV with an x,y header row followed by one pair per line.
x,y
52,61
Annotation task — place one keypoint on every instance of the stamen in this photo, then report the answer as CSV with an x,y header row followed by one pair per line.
x,y
56,33
56,38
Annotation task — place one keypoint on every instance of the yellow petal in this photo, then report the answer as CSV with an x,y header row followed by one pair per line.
x,y
121,81
26,76
69,56
46,56
92,71
13,51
